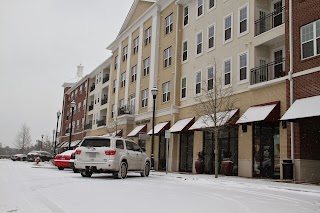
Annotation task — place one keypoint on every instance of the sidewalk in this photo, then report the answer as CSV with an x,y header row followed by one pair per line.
x,y
236,181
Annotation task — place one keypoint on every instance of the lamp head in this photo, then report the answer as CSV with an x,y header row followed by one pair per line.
x,y
58,114
73,104
154,91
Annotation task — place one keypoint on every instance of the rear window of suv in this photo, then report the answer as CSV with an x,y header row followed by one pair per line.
x,y
96,142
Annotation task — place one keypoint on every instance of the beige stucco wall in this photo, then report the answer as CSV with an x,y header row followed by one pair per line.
x,y
141,8
307,170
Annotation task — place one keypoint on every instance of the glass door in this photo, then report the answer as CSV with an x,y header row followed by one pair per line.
x,y
277,18
208,147
278,64
186,151
162,152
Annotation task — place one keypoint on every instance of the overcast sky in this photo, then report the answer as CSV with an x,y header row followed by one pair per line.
x,y
41,44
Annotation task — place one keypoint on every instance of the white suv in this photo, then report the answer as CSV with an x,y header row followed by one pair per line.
x,y
99,154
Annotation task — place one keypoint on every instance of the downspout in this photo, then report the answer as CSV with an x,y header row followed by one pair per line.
x,y
291,83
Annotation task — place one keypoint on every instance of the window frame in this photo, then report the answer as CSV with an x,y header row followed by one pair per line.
x,y
116,62
224,72
224,29
135,45
144,98
123,79
214,6
147,39
214,37
196,83
125,53
247,19
247,67
201,53
168,24
169,58
210,79
183,88
146,70
183,51
314,39
166,92
114,85
186,16
197,9
134,74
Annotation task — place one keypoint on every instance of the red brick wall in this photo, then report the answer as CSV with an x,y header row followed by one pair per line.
x,y
303,12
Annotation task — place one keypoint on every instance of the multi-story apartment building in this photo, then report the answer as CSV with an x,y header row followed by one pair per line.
x,y
303,87
76,92
186,48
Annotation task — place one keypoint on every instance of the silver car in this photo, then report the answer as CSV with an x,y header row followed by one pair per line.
x,y
115,155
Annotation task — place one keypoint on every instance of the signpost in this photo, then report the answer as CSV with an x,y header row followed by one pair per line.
x,y
167,136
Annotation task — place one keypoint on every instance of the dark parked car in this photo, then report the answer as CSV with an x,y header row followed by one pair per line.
x,y
43,155
19,157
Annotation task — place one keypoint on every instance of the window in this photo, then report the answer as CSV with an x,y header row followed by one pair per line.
x,y
134,73
135,45
112,110
79,106
310,39
199,43
211,40
185,51
169,24
200,7
116,62
123,79
212,4
210,78
185,15
228,28
78,121
144,98
129,145
243,66
125,53
114,85
119,144
227,72
198,82
76,93
147,36
98,96
84,104
166,92
80,90
121,103
97,118
82,122
183,88
167,57
243,19
146,66
85,86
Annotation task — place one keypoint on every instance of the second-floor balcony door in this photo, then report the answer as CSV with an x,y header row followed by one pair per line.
x,y
263,71
277,19
278,64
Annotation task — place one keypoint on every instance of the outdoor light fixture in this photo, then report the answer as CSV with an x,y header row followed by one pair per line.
x,y
73,104
55,140
154,92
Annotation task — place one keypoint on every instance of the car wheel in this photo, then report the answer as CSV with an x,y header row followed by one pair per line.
x,y
123,170
146,170
60,168
115,175
75,170
83,173
88,174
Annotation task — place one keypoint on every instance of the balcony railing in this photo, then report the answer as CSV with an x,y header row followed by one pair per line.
x,y
268,72
126,110
105,79
88,126
270,21
90,107
92,87
67,130
104,101
101,122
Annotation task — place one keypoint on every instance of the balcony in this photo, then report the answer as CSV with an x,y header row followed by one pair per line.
x,y
90,107
126,110
104,101
101,122
92,87
267,72
270,21
105,79
88,126
67,130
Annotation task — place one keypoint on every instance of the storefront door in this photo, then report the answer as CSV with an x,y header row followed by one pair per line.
x,y
265,138
186,151
162,153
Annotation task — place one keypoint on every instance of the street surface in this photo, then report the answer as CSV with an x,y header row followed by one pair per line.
x,y
27,188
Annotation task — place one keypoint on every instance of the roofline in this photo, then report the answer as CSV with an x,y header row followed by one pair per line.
x,y
104,64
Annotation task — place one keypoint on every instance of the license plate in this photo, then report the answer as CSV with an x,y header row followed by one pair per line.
x,y
62,158
92,154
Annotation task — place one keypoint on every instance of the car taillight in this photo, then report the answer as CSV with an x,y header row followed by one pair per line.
x,y
78,152
58,157
110,152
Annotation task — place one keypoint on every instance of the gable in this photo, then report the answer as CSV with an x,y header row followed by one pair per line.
x,y
138,8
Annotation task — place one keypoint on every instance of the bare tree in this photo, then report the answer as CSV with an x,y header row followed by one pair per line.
x,y
115,126
215,105
23,138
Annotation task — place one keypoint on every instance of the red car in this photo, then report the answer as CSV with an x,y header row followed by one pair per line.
x,y
63,160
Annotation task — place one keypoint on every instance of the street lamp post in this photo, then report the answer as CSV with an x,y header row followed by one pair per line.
x,y
41,142
73,104
55,140
154,92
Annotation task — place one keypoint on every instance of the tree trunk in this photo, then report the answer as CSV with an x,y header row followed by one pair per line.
x,y
216,153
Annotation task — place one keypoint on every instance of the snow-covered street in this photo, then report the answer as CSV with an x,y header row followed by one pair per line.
x,y
26,188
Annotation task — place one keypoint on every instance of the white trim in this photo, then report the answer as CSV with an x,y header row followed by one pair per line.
x,y
139,65
183,15
207,76
185,98
182,61
195,84
223,74
197,6
214,37
212,8
314,40
238,68
196,41
248,21
223,29
306,72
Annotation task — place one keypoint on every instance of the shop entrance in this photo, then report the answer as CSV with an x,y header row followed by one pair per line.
x,y
162,153
266,150
186,151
